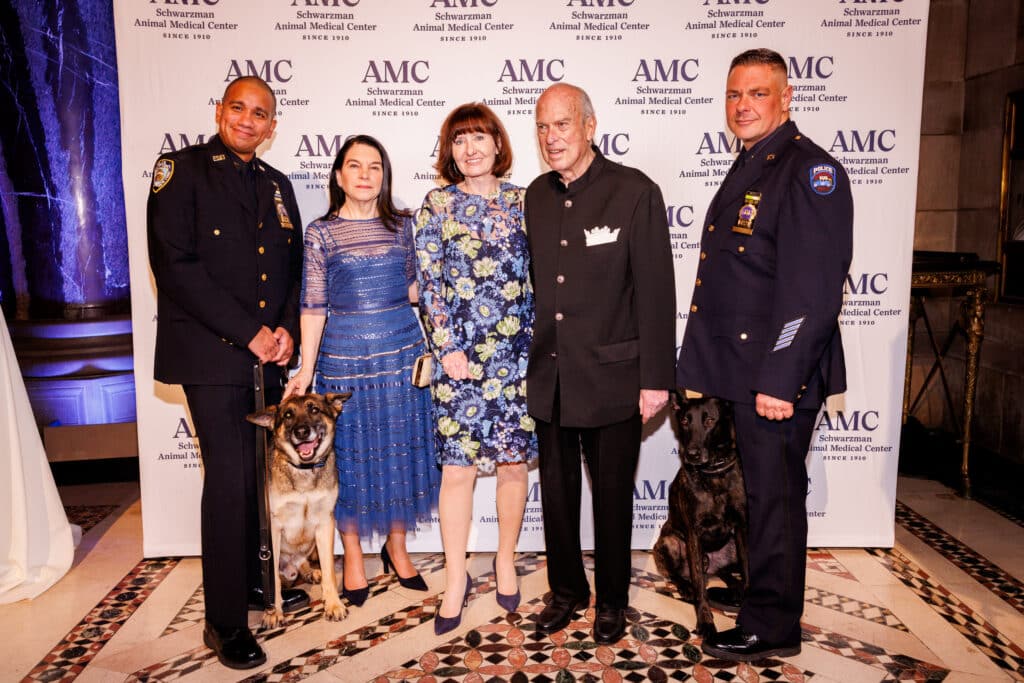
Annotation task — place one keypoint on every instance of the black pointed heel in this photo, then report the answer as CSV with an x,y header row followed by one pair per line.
x,y
443,625
414,582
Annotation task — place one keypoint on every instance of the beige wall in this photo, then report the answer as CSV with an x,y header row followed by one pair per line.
x,y
975,56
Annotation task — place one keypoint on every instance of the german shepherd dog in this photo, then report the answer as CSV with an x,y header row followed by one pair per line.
x,y
302,486
706,529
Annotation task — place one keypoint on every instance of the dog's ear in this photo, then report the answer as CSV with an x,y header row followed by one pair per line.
x,y
337,401
263,418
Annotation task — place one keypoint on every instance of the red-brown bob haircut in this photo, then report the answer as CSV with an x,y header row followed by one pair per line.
x,y
472,117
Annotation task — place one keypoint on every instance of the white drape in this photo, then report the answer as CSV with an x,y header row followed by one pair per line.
x,y
36,547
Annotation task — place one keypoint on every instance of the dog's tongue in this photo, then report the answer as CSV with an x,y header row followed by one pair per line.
x,y
306,448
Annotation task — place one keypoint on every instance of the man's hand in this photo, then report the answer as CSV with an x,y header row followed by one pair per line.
x,y
456,365
772,408
651,401
285,346
264,345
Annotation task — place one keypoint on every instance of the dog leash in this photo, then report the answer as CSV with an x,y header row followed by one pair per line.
x,y
266,552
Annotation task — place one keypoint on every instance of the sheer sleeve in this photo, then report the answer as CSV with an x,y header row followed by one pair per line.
x,y
430,274
405,235
314,269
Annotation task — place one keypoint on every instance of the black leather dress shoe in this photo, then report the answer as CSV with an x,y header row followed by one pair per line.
x,y
737,645
724,599
557,614
292,599
609,625
235,648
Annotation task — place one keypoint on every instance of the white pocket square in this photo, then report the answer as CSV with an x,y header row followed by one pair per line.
x,y
601,235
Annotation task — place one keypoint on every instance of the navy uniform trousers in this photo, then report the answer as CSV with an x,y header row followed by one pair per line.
x,y
775,471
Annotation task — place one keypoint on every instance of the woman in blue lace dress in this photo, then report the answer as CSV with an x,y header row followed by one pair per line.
x,y
477,307
361,335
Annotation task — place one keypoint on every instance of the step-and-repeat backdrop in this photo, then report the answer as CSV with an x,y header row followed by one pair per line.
x,y
656,71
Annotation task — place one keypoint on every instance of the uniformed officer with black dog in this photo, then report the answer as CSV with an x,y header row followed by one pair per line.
x,y
763,333
225,246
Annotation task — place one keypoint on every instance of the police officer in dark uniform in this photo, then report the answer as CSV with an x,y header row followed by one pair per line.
x,y
225,246
763,333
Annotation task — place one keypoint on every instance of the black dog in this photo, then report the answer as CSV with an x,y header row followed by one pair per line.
x,y
706,529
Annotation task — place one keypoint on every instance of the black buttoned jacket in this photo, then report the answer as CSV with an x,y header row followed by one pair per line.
x,y
763,318
224,265
605,313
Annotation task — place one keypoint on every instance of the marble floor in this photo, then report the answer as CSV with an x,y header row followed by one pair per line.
x,y
945,604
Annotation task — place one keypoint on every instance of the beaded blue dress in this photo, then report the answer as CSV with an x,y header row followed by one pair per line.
x,y
476,297
358,273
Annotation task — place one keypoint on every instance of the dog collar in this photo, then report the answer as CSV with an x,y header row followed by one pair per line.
x,y
716,469
310,466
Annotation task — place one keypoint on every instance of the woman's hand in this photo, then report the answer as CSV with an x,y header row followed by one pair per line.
x,y
456,365
298,384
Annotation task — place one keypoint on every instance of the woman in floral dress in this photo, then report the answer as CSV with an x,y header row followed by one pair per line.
x,y
476,303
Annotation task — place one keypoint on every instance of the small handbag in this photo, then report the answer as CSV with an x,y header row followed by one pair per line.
x,y
421,370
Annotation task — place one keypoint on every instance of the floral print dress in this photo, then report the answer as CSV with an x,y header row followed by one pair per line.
x,y
476,297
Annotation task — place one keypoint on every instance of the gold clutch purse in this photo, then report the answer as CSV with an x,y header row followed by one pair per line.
x,y
421,370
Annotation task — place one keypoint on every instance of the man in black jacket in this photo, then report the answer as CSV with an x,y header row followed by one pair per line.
x,y
602,353
225,246
763,333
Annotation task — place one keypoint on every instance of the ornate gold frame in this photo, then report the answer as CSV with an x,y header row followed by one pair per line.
x,y
1011,256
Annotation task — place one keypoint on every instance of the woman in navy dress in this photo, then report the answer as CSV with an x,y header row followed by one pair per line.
x,y
361,335
477,307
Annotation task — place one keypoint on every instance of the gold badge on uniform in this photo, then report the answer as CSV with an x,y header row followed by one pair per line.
x,y
219,157
282,212
748,212
162,173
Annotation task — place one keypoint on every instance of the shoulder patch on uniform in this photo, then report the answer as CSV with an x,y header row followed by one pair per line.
x,y
823,179
162,174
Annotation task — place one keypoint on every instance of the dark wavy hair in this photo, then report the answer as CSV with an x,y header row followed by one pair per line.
x,y
390,215
472,117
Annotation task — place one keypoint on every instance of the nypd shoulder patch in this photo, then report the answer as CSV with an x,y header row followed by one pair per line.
x,y
823,179
162,174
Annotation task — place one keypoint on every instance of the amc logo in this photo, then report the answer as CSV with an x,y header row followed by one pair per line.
x,y
864,141
405,71
856,421
183,2
183,430
811,67
718,143
667,71
613,144
599,3
739,2
645,489
172,142
271,71
325,3
679,216
535,71
318,146
452,4
866,283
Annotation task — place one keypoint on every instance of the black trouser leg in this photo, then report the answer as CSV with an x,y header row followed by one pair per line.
x,y
229,521
774,468
560,489
611,454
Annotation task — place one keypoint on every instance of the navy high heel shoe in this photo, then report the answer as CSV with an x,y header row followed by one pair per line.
x,y
356,596
444,624
507,602
415,582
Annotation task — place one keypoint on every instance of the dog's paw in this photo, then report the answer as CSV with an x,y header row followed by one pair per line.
x,y
312,577
272,618
334,610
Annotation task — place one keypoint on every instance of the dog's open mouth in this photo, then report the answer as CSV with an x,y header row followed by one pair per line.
x,y
307,449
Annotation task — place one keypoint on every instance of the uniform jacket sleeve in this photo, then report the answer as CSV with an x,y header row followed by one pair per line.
x,y
179,272
814,249
290,312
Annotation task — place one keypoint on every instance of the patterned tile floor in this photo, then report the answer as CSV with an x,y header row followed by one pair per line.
x,y
937,606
